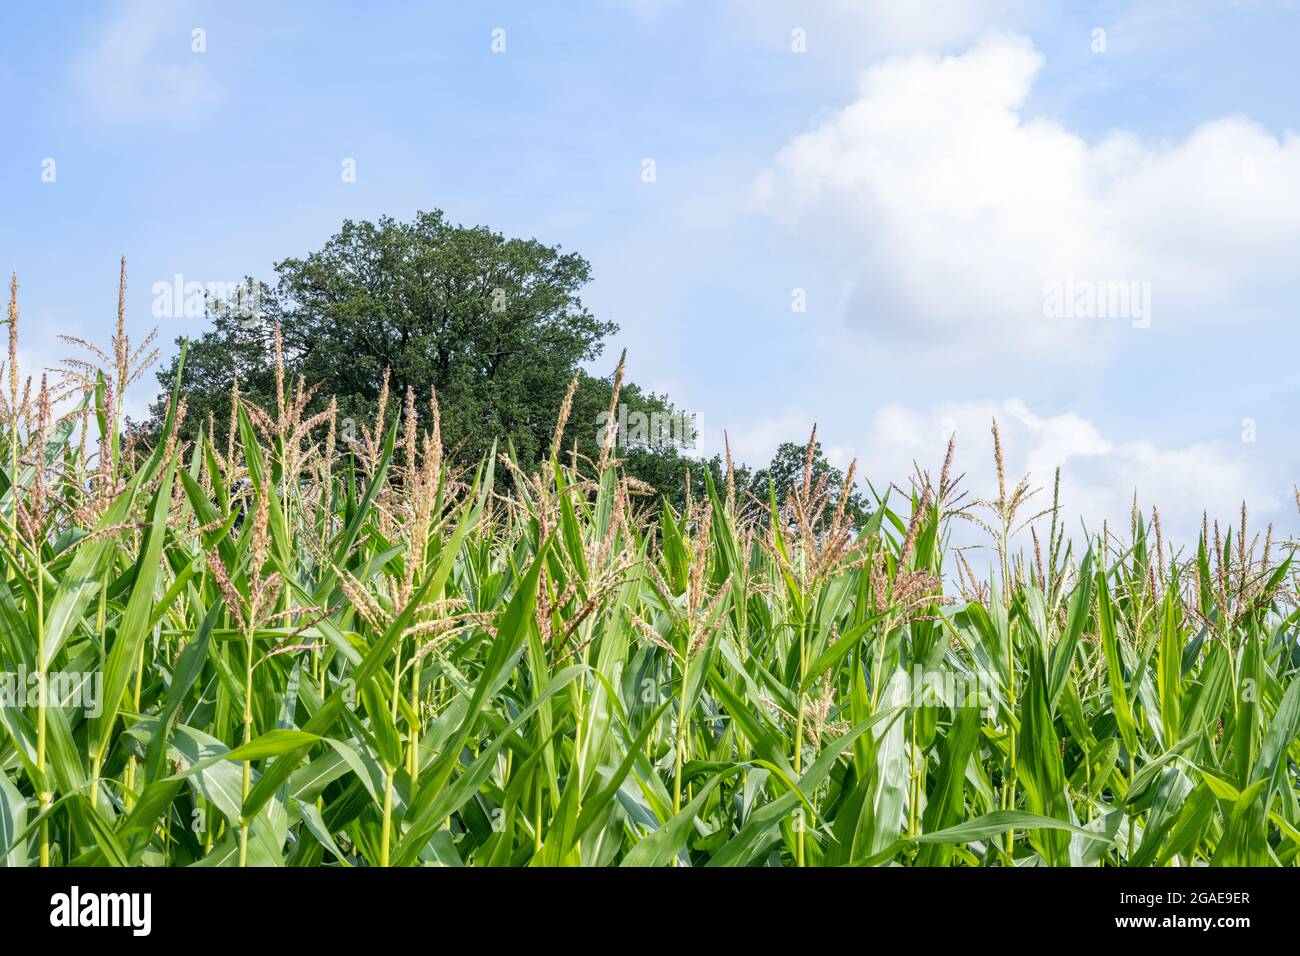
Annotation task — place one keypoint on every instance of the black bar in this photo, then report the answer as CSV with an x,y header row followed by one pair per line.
x,y
335,906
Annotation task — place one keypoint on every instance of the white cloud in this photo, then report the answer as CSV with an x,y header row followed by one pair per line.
x,y
143,66
1099,473
965,208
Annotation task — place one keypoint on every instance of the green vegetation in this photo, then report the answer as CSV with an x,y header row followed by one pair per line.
x,y
495,325
314,651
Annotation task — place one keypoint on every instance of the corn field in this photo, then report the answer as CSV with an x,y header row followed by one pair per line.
x,y
298,646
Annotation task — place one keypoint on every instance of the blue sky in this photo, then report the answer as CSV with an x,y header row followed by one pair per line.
x,y
923,172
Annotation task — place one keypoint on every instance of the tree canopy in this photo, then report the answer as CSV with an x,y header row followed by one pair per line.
x,y
496,325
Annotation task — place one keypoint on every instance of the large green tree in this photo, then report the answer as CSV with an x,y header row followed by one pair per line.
x,y
496,325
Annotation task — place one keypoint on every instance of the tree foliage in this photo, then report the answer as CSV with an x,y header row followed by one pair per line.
x,y
495,325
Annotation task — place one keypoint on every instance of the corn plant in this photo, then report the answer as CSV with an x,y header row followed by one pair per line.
x,y
302,647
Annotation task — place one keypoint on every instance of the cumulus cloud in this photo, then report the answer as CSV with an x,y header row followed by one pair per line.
x,y
967,210
1099,473
143,66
